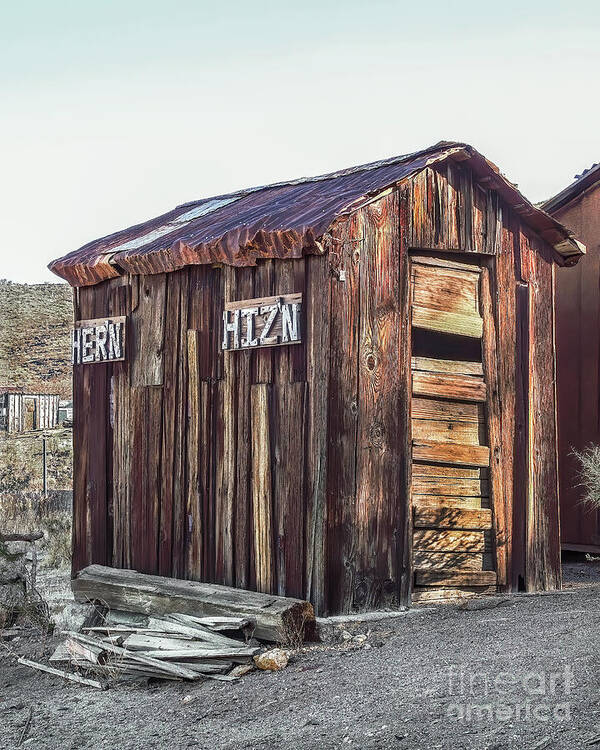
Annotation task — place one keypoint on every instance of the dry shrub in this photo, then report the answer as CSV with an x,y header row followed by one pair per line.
x,y
57,540
589,475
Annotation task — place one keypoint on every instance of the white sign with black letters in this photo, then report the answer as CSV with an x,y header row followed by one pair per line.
x,y
98,340
268,321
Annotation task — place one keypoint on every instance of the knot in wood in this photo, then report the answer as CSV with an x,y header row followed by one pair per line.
x,y
376,435
371,361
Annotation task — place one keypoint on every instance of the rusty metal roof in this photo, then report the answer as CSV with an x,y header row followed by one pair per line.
x,y
284,220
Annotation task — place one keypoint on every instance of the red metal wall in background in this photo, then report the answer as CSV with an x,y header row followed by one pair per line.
x,y
578,364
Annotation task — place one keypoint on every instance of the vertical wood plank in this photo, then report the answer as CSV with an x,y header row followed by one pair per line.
x,y
169,421
318,311
242,519
262,487
494,426
287,469
404,534
378,458
505,301
193,525
180,417
147,331
342,419
543,570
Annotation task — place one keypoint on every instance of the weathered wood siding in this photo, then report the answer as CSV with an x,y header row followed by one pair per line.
x,y
288,469
193,462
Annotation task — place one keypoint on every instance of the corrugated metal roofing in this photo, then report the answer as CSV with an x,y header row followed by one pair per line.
x,y
284,220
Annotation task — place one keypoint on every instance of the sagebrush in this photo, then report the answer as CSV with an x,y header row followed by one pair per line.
x,y
589,475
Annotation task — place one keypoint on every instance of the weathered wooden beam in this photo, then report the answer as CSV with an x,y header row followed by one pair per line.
x,y
131,591
65,675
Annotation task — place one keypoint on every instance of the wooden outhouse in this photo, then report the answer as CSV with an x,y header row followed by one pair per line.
x,y
340,388
578,356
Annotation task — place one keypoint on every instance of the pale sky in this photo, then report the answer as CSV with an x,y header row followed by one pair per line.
x,y
113,112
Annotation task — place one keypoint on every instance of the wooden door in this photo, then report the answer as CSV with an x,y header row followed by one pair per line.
x,y
452,514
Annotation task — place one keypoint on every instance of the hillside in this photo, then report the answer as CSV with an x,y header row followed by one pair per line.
x,y
34,336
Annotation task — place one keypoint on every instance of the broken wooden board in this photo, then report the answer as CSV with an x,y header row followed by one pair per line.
x,y
128,590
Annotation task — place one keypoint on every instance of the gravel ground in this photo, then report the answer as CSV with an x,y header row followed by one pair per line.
x,y
522,674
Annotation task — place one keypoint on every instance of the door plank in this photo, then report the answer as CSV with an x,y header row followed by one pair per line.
x,y
448,431
429,450
454,472
449,501
463,411
442,560
453,366
447,322
449,386
448,541
455,577
444,289
432,517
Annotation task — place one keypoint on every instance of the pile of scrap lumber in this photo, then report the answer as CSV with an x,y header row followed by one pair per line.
x,y
156,627
276,618
173,647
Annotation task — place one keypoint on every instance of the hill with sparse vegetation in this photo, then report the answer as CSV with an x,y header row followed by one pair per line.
x,y
34,337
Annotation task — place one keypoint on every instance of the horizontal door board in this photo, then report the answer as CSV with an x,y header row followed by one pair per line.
x,y
444,578
450,486
450,453
456,367
443,385
445,289
447,322
439,517
453,472
426,260
435,596
459,411
443,560
449,431
449,501
448,541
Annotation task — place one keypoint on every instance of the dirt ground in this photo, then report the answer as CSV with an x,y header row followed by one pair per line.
x,y
522,674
